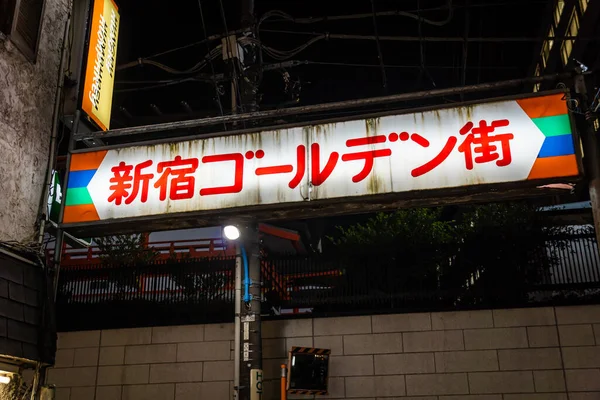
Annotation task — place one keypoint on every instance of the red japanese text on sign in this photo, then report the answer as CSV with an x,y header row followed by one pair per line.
x,y
177,181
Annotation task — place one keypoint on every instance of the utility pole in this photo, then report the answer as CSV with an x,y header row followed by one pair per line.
x,y
250,367
591,149
250,65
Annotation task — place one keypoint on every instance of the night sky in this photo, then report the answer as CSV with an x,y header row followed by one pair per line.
x,y
336,69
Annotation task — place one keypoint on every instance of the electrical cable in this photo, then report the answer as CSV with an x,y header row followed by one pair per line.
x,y
422,49
168,83
379,54
343,64
235,71
135,63
359,65
312,20
212,68
285,54
212,54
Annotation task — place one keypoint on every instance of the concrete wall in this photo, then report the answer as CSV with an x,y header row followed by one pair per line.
x,y
536,354
27,93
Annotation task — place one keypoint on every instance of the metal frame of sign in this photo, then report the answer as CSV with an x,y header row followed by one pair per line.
x,y
328,207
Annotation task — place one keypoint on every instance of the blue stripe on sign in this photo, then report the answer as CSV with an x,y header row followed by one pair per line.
x,y
557,146
78,179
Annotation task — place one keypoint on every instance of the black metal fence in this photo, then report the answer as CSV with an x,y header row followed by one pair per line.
x,y
452,276
159,293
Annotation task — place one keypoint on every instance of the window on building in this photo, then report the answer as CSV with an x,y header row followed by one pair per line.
x,y
536,87
583,5
551,35
21,21
547,47
545,53
572,30
558,10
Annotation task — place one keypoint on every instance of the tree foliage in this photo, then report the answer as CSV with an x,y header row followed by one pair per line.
x,y
492,251
121,252
125,249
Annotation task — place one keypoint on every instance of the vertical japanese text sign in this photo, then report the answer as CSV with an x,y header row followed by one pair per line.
x,y
100,66
523,140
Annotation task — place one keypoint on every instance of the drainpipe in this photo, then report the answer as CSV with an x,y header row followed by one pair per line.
x,y
54,136
40,370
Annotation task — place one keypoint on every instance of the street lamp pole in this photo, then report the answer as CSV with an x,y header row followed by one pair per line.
x,y
250,380
248,339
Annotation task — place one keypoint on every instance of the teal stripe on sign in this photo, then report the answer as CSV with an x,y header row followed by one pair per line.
x,y
553,126
78,197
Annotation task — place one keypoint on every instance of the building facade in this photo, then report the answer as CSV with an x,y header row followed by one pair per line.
x,y
31,44
30,52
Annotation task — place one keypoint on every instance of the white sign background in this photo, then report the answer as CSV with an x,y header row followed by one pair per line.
x,y
389,174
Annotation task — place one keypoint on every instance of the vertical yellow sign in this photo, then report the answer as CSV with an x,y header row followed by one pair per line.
x,y
256,384
101,58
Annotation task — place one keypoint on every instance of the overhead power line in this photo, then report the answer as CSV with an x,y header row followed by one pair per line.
x,y
214,53
134,63
395,13
297,63
159,85
212,68
392,13
459,39
379,53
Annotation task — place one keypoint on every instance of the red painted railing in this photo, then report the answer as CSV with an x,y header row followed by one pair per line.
x,y
199,248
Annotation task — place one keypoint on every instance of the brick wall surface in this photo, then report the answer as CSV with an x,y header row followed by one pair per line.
x,y
519,354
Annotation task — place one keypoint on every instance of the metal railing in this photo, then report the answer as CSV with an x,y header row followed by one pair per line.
x,y
157,293
444,277
197,248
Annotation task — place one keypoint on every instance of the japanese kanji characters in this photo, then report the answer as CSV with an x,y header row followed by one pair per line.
x,y
181,181
176,179
122,182
479,141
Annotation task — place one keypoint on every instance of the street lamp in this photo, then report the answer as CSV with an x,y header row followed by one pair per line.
x,y
231,232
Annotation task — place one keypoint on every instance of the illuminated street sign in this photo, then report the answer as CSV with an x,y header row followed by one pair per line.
x,y
100,65
490,143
